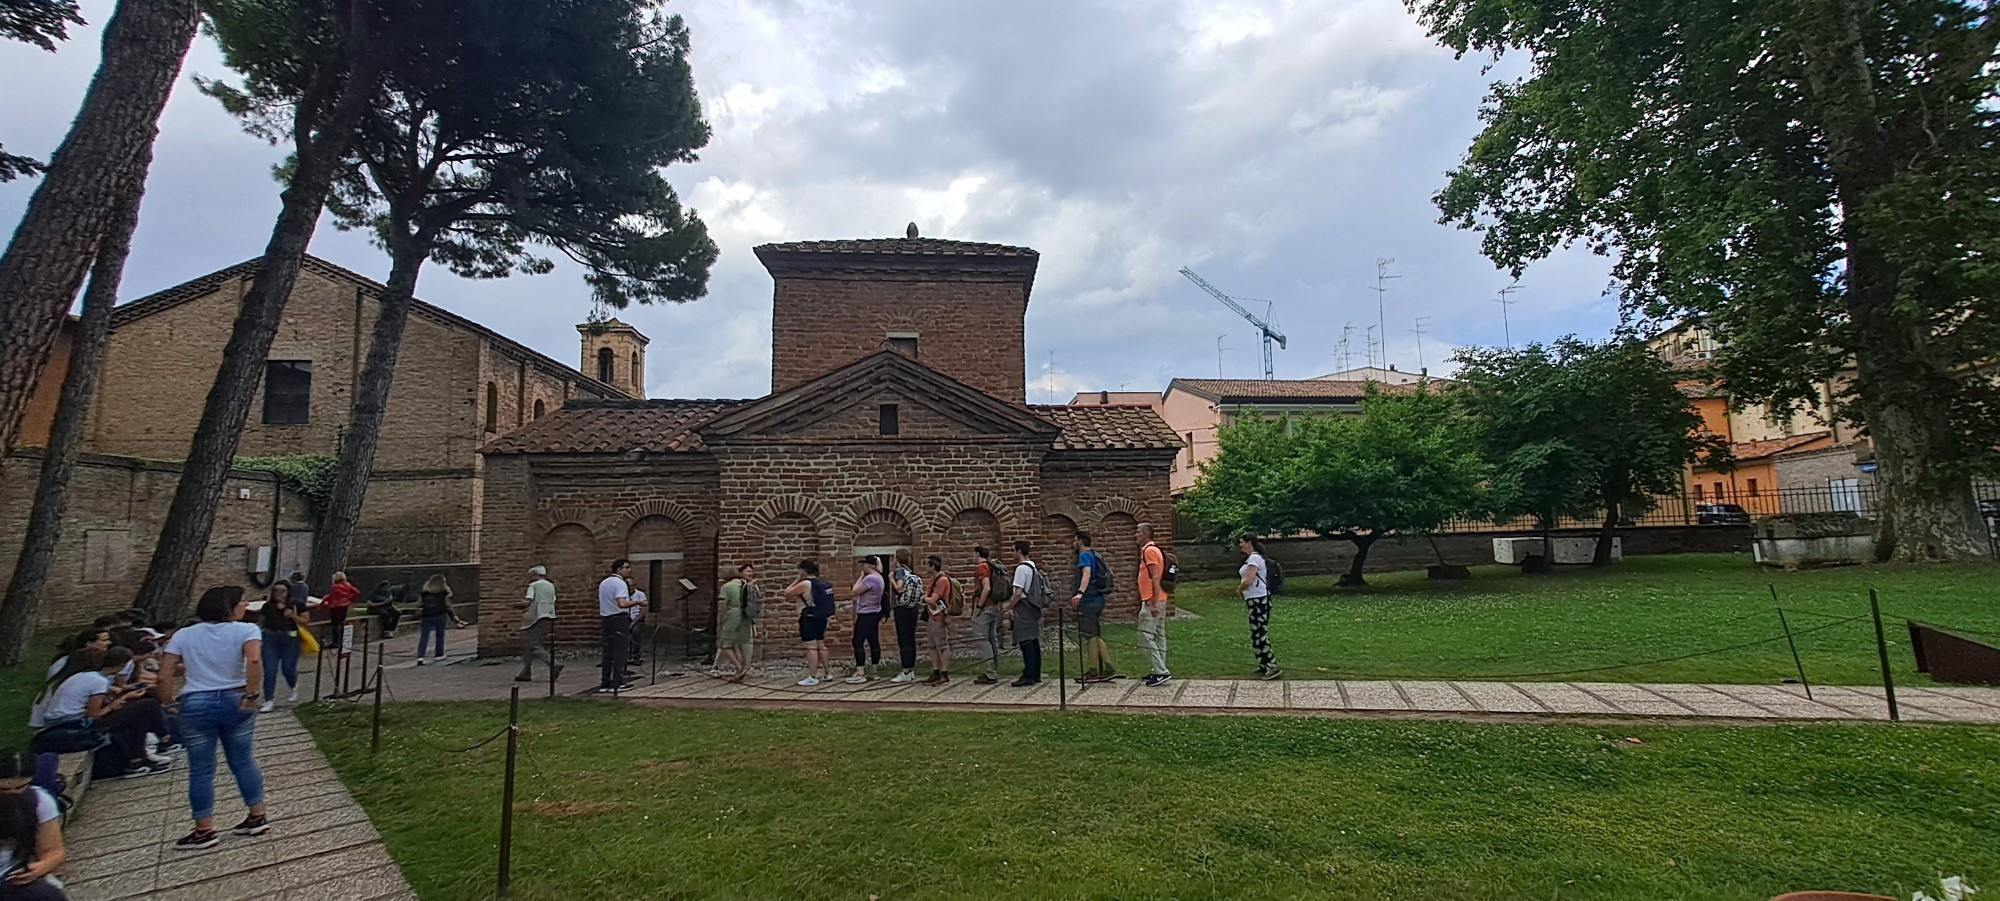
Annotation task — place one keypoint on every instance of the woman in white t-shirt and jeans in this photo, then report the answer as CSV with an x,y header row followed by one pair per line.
x,y
1256,592
31,839
223,659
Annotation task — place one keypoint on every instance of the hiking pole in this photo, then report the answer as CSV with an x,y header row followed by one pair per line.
x,y
1882,650
507,792
1791,644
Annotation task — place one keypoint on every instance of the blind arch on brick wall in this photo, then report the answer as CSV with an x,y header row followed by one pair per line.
x,y
787,539
570,552
1115,542
652,539
986,502
975,527
885,501
882,531
1053,553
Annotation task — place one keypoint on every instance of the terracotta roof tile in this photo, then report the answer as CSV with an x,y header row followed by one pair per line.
x,y
902,246
1112,427
613,427
1284,389
1758,450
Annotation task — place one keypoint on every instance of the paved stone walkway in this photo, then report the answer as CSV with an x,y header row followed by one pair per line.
x,y
1450,699
321,846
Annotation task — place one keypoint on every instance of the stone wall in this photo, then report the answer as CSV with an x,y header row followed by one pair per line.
x,y
1814,469
116,508
1318,557
966,328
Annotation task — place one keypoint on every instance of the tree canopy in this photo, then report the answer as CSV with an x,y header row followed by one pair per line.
x,y
1407,464
42,23
1816,181
1575,427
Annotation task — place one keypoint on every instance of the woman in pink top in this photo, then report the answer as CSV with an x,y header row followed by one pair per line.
x,y
868,592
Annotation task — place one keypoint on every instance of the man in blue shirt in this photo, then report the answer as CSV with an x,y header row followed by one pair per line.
x,y
1093,582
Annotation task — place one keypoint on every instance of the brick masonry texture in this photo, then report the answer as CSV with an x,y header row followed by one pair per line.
x,y
116,507
807,472
457,387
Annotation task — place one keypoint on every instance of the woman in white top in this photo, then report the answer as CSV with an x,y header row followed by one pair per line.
x,y
223,658
1256,593
31,839
86,696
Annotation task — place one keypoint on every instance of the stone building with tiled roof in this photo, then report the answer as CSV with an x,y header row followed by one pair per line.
x,y
897,420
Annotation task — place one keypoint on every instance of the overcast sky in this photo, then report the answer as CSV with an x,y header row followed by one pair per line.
x,y
1278,148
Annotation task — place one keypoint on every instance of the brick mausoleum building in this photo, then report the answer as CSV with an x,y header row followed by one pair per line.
x,y
897,420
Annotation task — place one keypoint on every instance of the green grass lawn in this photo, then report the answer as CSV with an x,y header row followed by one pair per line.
x,y
1504,624
625,802
19,685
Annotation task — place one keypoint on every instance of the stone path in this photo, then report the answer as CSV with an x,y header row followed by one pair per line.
x,y
321,845
1447,699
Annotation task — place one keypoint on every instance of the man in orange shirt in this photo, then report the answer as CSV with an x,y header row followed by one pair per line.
x,y
1153,600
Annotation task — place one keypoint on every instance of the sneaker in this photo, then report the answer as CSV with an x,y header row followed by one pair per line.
x,y
986,680
170,748
253,825
292,698
1157,679
198,840
268,707
1269,674
856,679
614,689
944,678
905,676
420,661
143,769
1024,682
808,682
155,757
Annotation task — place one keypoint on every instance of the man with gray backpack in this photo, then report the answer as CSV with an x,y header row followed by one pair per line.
x,y
1031,597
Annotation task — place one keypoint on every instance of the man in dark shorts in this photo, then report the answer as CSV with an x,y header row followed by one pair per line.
x,y
815,597
1091,581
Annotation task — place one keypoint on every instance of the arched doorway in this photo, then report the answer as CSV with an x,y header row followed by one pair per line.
x,y
656,545
570,553
883,532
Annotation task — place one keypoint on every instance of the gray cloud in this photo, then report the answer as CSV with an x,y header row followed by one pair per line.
x,y
1277,147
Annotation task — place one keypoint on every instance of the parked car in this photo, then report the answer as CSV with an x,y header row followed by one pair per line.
x,y
1721,515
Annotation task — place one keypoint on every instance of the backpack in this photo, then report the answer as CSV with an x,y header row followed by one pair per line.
x,y
1003,582
822,599
1170,568
752,601
1037,594
1100,577
912,595
954,600
1274,577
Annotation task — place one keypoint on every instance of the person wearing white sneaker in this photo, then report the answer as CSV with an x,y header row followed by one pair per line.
x,y
906,606
815,597
220,659
282,618
868,592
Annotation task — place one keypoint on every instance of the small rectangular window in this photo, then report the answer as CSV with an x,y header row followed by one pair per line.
x,y
1697,492
904,343
288,392
1753,487
889,421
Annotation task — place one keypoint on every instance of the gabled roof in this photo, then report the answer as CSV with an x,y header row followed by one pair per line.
x,y
1282,390
614,427
829,394
208,284
1110,427
902,259
900,247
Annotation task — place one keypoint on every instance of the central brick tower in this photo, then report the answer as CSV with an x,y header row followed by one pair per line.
x,y
955,306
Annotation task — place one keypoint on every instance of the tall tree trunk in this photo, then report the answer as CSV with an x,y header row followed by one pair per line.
x,y
71,210
322,151
1362,542
86,358
1602,555
1929,512
364,430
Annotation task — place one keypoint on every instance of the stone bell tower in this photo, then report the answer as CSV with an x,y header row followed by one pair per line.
x,y
614,353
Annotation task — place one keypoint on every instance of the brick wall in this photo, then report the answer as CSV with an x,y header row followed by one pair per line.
x,y
41,414
1814,469
116,507
968,329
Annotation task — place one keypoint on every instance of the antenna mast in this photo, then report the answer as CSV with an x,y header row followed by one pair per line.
x,y
1507,330
1381,290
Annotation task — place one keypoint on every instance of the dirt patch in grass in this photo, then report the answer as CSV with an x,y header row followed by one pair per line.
x,y
664,766
567,810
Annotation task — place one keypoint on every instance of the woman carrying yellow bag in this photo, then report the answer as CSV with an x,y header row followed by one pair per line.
x,y
307,643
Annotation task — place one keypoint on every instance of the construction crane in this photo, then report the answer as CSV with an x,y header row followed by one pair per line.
x,y
1269,332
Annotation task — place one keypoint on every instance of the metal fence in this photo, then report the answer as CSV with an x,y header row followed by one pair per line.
x,y
1710,508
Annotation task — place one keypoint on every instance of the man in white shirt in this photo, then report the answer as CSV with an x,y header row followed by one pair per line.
x,y
614,605
1023,612
538,622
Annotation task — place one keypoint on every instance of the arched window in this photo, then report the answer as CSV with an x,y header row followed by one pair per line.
x,y
606,365
538,409
638,372
492,407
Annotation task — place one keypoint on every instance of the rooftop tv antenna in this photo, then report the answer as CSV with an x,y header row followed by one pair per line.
x,y
1506,330
1381,290
1218,356
1423,325
1263,325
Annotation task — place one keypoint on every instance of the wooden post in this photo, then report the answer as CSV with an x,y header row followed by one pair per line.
x,y
1882,650
375,741
507,792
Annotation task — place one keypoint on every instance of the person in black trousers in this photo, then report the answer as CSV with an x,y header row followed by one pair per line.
x,y
907,601
614,615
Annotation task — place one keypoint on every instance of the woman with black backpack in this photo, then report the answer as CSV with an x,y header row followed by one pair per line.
x,y
1255,588
908,593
